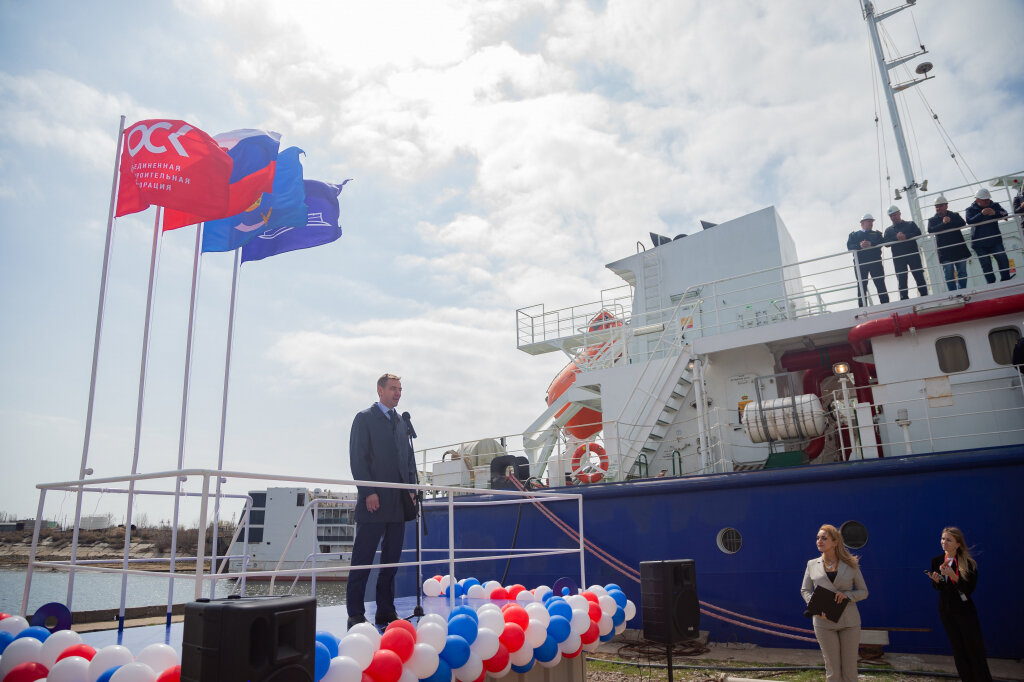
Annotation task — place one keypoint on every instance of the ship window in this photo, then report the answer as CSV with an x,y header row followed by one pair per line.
x,y
952,354
256,517
258,499
255,535
855,535
729,540
1002,341
300,499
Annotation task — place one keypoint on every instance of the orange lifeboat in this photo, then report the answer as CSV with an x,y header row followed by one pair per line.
x,y
587,421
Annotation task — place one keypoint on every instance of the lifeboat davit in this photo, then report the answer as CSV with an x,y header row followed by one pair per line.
x,y
587,421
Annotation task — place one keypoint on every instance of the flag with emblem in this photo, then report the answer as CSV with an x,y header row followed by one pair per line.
x,y
285,205
321,225
170,163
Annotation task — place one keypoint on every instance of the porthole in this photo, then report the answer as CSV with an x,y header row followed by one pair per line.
x,y
729,540
1002,341
855,535
952,354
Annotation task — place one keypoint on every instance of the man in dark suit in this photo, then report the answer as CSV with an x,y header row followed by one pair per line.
x,y
380,450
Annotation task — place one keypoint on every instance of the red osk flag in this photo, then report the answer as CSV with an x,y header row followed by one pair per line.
x,y
172,164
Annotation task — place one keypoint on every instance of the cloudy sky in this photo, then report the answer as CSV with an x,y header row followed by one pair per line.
x,y
502,151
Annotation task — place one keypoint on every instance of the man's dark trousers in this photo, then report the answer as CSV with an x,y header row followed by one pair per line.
x,y
368,537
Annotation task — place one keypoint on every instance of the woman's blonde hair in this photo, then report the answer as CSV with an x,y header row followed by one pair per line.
x,y
965,563
841,552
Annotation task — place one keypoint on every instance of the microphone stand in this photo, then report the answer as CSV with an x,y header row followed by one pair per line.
x,y
421,529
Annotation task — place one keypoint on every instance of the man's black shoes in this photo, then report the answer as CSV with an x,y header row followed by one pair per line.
x,y
355,620
385,618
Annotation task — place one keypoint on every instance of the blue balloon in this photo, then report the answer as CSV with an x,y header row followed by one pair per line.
x,y
456,651
560,607
442,674
558,628
322,659
464,609
469,582
548,596
107,674
619,596
619,617
522,668
34,631
612,586
5,639
464,627
546,651
608,637
329,641
458,590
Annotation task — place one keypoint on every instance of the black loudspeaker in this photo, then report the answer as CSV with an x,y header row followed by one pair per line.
x,y
668,591
250,639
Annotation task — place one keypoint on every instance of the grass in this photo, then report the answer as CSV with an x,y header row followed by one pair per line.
x,y
612,671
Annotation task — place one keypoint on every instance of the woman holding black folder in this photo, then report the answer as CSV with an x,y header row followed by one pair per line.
x,y
838,572
955,575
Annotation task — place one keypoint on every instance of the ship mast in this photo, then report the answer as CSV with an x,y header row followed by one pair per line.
x,y
890,96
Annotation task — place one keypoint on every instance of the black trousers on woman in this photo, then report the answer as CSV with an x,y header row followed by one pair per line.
x,y
964,631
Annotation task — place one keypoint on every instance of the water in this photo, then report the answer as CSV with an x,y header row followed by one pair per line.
x,y
95,591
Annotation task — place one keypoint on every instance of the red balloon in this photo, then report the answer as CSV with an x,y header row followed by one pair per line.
x,y
4,615
366,677
172,674
594,611
564,655
499,593
399,640
385,666
591,635
512,636
497,662
83,650
29,671
404,625
514,613
514,590
438,578
589,596
483,674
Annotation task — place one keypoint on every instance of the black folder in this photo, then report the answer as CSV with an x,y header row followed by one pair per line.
x,y
824,601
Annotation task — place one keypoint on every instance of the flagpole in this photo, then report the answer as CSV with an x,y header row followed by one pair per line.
x,y
153,262
224,412
184,414
83,468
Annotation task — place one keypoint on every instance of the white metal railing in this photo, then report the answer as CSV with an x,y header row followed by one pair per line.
x,y
453,554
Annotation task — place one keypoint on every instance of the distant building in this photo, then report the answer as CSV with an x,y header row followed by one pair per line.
x,y
95,522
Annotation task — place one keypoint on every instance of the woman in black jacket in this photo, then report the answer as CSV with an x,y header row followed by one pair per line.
x,y
955,575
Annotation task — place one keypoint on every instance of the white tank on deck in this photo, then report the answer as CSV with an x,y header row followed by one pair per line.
x,y
785,418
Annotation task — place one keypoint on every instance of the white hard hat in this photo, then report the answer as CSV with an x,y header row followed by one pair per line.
x,y
893,209
867,216
982,194
940,200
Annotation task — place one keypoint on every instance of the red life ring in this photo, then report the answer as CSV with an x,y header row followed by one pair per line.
x,y
577,458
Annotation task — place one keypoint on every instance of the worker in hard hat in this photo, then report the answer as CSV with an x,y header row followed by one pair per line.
x,y
902,238
866,244
987,241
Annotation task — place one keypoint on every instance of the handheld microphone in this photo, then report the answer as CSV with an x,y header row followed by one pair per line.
x,y
408,422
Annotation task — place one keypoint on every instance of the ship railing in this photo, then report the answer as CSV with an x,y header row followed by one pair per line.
x,y
537,325
207,495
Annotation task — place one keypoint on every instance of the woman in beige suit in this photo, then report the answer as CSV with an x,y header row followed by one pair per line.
x,y
838,571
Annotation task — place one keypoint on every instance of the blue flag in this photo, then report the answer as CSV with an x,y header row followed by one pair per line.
x,y
321,226
286,205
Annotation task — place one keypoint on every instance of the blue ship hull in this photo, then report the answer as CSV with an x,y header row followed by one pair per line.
x,y
904,502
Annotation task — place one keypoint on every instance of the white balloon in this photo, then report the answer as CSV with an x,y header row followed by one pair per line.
x,y
491,586
620,628
540,592
536,633
446,580
607,604
521,656
24,650
134,672
592,647
597,590
70,669
577,601
485,645
525,597
630,610
423,661
580,622
476,592
605,625
407,676
55,644
159,657
366,630
553,662
106,658
358,647
343,669
432,588
488,606
491,620
433,635
13,625
571,644
536,610
435,618
471,670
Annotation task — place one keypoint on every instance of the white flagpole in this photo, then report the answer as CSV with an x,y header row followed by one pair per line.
x,y
153,262
184,414
224,414
83,469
